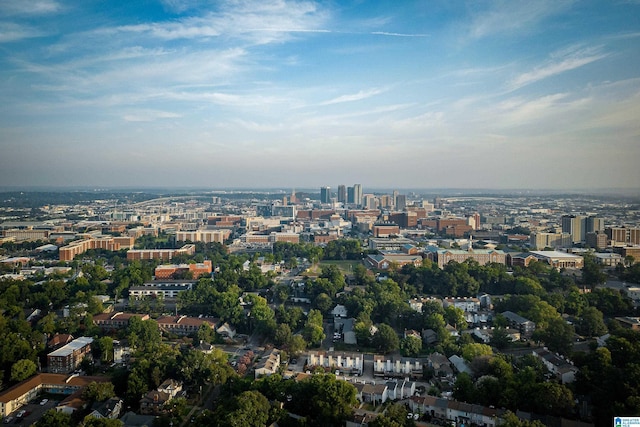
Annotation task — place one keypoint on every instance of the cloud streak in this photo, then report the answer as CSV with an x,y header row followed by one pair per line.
x,y
566,62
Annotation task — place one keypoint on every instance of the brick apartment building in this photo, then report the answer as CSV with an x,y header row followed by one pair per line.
x,y
159,254
68,358
109,243
168,271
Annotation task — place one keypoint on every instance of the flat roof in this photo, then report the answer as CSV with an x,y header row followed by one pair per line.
x,y
74,345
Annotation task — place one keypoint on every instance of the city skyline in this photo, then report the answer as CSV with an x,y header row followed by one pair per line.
x,y
251,94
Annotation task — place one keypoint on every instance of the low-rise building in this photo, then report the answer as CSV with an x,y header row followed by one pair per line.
x,y
167,289
269,364
184,325
68,358
116,320
396,366
344,362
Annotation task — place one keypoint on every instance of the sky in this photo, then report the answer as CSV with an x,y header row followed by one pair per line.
x,y
503,94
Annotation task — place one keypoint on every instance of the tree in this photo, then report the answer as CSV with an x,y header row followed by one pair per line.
x,y
410,346
53,418
591,323
249,409
394,416
90,421
23,369
592,274
104,348
385,339
471,351
328,401
500,338
283,335
98,392
323,302
557,335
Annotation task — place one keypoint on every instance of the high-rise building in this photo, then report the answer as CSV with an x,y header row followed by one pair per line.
x,y
357,194
342,194
576,226
325,194
401,202
594,224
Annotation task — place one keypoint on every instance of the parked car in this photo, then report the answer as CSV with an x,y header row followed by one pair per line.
x,y
8,419
44,402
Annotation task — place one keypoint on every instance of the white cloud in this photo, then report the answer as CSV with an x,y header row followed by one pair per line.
x,y
149,115
31,7
11,32
514,16
561,62
363,94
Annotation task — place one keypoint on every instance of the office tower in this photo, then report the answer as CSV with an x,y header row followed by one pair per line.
x,y
576,226
593,224
350,195
395,196
357,194
401,202
342,194
325,195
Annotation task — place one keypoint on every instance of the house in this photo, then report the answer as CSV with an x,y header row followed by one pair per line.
x,y
440,365
110,408
59,340
339,311
226,331
562,368
153,402
460,364
525,326
269,364
131,419
374,393
171,387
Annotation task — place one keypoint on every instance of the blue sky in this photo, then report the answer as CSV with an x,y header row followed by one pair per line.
x,y
243,93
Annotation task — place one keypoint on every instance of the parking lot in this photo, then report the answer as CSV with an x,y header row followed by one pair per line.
x,y
34,412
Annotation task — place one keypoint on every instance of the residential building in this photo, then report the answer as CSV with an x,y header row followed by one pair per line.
x,y
68,358
396,366
109,243
525,326
22,393
269,364
168,271
205,236
184,325
482,256
159,254
115,321
344,362
563,369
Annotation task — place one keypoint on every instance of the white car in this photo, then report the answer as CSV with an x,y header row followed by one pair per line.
x,y
44,402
